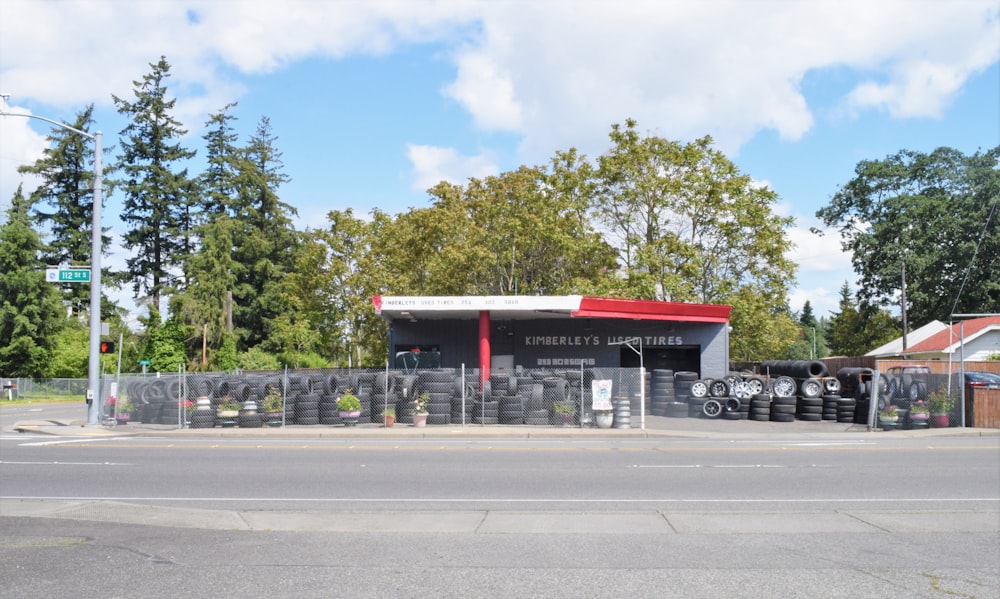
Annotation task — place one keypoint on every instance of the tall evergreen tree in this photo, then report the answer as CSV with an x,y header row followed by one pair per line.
x,y
30,312
265,247
219,182
843,336
64,201
158,193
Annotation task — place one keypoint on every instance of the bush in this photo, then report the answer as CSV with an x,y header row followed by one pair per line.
x,y
258,359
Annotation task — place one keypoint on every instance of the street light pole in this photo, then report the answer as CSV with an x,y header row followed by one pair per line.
x,y
93,365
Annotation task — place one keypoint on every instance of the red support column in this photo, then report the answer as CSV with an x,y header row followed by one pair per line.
x,y
484,347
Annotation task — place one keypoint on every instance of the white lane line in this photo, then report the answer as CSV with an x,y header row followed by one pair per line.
x,y
67,441
3,462
501,500
725,466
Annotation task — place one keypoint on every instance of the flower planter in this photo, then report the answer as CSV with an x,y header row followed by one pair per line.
x,y
604,418
350,418
420,420
123,418
274,419
939,421
888,424
388,420
227,418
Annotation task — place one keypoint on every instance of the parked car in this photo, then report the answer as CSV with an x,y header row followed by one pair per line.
x,y
978,379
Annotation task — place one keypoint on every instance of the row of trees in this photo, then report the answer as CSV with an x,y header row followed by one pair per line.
x,y
649,218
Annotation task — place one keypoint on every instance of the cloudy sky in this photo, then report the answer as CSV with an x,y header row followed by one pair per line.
x,y
375,101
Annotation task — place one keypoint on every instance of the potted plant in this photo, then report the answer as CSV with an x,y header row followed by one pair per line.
x,y
564,412
420,409
274,407
941,405
919,411
350,408
124,411
604,418
389,417
888,417
227,411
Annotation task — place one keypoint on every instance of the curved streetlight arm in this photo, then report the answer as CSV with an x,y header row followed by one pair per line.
x,y
93,362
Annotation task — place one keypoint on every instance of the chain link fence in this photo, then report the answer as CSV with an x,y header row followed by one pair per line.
x,y
309,397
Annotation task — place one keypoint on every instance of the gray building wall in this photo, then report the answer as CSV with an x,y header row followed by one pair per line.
x,y
548,343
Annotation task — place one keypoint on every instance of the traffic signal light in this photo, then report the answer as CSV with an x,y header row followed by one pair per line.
x,y
107,347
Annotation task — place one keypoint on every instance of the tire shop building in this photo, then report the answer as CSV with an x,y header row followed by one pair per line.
x,y
508,333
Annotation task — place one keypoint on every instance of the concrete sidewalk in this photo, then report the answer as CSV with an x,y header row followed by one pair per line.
x,y
655,426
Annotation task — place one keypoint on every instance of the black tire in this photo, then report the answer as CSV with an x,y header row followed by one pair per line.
x,y
811,388
784,386
719,388
699,388
778,417
810,417
733,404
438,418
712,408
918,391
755,385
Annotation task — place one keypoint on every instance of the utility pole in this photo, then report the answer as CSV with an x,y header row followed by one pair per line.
x,y
902,303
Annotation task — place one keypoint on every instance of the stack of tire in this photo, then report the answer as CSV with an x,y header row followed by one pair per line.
x,y
783,399
662,392
810,402
760,407
439,386
555,390
462,399
737,405
857,384
708,398
156,400
503,391
203,415
679,408
535,411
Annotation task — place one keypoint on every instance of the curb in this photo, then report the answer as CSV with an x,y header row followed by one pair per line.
x,y
77,429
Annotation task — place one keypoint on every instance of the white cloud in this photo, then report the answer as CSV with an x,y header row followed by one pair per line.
x,y
21,147
487,91
823,266
431,165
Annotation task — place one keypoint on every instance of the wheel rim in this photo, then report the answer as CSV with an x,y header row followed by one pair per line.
x,y
699,389
784,387
712,408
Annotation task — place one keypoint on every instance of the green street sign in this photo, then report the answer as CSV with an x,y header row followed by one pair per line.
x,y
67,275
143,362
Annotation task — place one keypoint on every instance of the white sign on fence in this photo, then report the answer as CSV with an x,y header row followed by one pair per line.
x,y
602,394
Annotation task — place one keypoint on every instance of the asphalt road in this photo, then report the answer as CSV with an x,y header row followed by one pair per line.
x,y
870,516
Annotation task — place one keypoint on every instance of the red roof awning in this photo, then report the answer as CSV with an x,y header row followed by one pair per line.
x,y
601,307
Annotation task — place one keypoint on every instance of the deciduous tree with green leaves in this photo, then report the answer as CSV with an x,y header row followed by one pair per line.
x,y
935,213
687,222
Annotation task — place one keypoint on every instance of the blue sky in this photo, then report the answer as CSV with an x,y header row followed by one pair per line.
x,y
373,102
